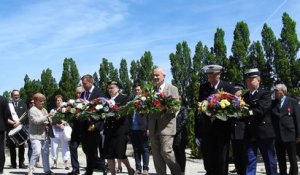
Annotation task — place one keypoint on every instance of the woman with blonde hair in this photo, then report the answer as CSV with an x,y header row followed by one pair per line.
x,y
38,132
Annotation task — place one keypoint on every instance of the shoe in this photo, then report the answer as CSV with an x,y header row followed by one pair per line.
x,y
54,166
233,171
49,173
119,170
67,168
13,166
23,166
131,171
74,173
145,172
138,172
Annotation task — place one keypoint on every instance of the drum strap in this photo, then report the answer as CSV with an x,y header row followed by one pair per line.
x,y
13,112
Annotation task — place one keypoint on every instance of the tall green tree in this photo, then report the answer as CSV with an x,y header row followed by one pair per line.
x,y
268,42
146,66
181,68
69,80
134,70
239,51
220,52
220,49
96,79
282,65
49,87
123,71
6,95
256,59
107,72
290,45
30,88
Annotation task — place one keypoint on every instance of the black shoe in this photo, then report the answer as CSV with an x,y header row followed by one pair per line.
x,y
23,166
74,173
13,166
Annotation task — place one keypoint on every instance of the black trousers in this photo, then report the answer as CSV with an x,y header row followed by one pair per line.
x,y
179,151
281,149
90,142
13,155
74,144
239,153
2,153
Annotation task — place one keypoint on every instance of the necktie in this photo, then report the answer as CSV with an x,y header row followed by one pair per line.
x,y
16,104
87,95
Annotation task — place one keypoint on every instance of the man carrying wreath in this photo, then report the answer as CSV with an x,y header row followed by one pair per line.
x,y
213,135
162,128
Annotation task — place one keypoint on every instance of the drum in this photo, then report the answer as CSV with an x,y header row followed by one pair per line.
x,y
18,135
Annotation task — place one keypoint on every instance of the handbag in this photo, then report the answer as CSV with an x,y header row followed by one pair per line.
x,y
67,132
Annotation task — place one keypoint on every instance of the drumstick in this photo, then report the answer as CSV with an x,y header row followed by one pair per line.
x,y
23,115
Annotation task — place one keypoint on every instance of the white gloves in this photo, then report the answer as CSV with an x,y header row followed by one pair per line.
x,y
198,142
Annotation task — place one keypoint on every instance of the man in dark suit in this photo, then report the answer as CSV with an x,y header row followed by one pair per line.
x,y
259,131
4,114
214,136
76,137
286,121
17,109
91,129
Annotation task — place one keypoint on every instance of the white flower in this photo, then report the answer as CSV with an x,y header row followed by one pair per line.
x,y
143,98
63,104
79,106
63,110
71,101
98,107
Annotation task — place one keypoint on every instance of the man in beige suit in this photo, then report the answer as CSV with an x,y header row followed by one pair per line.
x,y
162,128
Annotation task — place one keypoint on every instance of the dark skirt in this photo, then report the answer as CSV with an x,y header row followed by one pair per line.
x,y
115,146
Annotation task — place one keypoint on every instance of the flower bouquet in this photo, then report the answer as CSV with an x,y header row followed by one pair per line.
x,y
68,110
223,105
99,108
150,102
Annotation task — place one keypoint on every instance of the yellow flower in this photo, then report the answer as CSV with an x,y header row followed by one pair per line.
x,y
222,104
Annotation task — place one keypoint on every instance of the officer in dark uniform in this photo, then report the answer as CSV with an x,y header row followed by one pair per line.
x,y
214,136
259,131
286,121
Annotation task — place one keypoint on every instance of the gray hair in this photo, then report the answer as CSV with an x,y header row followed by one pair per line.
x,y
281,87
161,69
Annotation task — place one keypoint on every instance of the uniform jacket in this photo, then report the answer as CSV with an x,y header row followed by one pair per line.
x,y
258,121
119,126
203,124
286,119
164,123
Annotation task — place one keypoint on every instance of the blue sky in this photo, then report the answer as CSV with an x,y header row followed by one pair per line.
x,y
36,35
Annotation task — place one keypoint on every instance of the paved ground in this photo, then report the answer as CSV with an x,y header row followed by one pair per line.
x,y
193,166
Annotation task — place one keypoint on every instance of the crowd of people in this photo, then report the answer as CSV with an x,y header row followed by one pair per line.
x,y
103,142
272,126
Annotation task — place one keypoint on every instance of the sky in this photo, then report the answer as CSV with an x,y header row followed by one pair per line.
x,y
36,35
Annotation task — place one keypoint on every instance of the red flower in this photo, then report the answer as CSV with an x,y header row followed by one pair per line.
x,y
115,108
156,103
96,101
92,109
162,95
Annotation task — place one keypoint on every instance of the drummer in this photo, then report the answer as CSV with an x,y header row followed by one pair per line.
x,y
38,126
17,108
